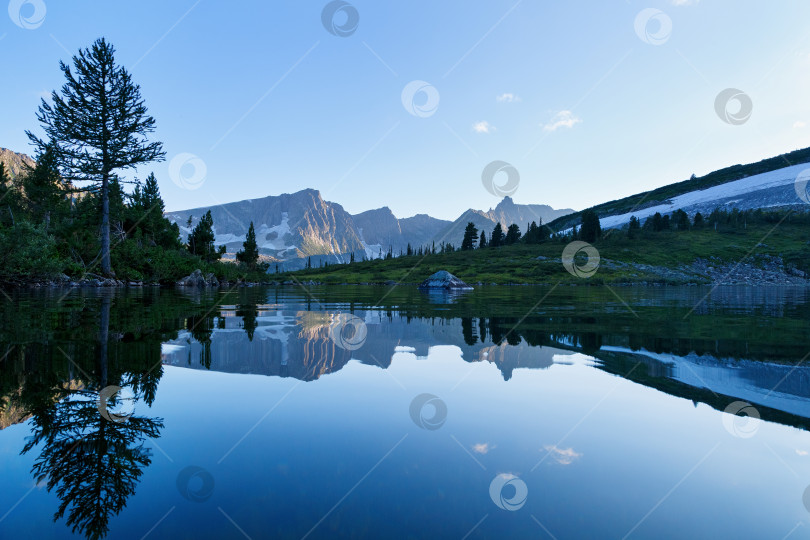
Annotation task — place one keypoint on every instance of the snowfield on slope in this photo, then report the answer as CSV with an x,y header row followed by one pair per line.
x,y
782,180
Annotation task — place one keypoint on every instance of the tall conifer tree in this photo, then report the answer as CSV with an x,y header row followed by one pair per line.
x,y
98,125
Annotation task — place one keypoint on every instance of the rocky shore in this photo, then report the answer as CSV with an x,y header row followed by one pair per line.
x,y
88,281
195,279
760,270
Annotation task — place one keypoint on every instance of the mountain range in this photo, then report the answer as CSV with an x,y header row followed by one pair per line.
x,y
291,227
778,182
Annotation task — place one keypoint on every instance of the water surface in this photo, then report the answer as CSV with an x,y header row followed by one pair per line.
x,y
365,412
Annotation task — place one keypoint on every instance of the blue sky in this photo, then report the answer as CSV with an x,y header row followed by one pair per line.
x,y
586,108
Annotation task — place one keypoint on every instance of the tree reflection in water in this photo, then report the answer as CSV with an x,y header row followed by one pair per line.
x,y
90,460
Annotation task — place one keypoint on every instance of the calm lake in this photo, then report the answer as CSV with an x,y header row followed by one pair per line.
x,y
378,412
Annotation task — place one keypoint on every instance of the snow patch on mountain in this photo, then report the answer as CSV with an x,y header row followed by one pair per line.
x,y
267,237
373,251
273,237
771,189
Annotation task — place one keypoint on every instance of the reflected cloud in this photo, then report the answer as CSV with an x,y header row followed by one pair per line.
x,y
563,456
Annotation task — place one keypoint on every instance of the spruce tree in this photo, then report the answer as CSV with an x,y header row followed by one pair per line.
x,y
201,240
681,219
98,124
591,229
633,227
536,234
482,242
531,233
147,209
249,255
657,222
44,191
497,237
512,234
470,237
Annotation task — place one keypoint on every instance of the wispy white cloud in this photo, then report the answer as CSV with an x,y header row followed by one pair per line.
x,y
563,119
507,97
563,456
683,2
799,124
482,448
483,127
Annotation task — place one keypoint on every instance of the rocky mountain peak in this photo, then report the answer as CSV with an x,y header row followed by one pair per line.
x,y
15,162
507,202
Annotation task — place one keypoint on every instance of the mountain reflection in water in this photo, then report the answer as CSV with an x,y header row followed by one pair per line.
x,y
60,357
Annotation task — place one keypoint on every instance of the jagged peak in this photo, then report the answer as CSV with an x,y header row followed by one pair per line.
x,y
374,211
506,202
478,212
314,193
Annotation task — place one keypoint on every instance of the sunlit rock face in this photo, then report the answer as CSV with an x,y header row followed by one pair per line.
x,y
291,227
287,226
14,162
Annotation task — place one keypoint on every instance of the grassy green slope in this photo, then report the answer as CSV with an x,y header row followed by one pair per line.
x,y
520,264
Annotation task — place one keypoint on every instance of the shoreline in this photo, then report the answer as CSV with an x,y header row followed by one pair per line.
x,y
123,285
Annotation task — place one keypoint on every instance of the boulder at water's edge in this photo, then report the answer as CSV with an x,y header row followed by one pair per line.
x,y
196,279
445,281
